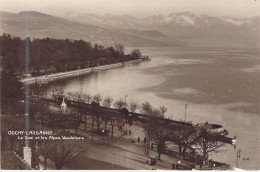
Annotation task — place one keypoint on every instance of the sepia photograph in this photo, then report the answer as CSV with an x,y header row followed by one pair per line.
x,y
130,85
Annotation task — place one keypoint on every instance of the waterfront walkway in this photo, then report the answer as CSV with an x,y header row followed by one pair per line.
x,y
123,150
61,75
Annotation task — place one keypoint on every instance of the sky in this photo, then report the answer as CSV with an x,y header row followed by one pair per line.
x,y
234,8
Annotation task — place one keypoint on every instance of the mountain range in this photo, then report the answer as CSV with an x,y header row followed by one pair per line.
x,y
175,29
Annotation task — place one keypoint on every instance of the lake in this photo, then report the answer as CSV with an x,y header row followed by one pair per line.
x,y
220,86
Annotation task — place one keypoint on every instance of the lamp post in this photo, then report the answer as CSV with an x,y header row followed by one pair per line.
x,y
238,155
186,106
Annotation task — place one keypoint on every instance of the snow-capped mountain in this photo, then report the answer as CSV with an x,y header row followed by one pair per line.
x,y
186,19
194,29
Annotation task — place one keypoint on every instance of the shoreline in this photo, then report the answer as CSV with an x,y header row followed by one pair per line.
x,y
61,75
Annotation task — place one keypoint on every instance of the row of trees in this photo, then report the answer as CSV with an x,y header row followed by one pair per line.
x,y
53,55
157,128
198,140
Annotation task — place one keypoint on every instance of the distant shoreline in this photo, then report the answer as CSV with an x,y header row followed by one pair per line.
x,y
61,75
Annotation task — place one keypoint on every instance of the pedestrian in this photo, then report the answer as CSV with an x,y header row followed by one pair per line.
x,y
138,139
144,139
130,132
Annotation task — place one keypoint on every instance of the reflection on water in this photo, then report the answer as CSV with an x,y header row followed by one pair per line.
x,y
211,81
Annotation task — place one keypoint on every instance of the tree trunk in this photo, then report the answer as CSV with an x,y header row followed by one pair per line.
x,y
159,155
184,151
98,125
180,150
112,131
45,163
92,132
105,124
85,122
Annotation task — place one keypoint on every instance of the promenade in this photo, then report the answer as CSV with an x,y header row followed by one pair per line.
x,y
61,75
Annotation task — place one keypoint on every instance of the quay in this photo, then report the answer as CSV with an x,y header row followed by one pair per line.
x,y
61,75
142,118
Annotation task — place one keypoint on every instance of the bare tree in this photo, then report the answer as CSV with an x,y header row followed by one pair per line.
x,y
97,98
207,142
98,120
155,129
120,49
96,114
106,116
60,92
120,104
184,138
133,106
63,153
57,92
112,123
163,109
69,95
107,102
87,98
146,108
44,150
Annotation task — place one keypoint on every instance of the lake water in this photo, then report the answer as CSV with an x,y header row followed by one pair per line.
x,y
220,86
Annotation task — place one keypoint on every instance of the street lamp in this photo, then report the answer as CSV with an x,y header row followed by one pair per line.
x,y
186,106
238,155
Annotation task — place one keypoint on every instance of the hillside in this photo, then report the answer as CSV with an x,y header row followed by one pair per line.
x,y
188,27
40,25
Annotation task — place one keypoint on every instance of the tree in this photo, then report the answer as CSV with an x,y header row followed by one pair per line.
x,y
119,49
133,106
120,104
184,138
136,54
52,55
207,142
11,87
63,153
156,130
112,123
146,108
107,103
96,115
163,109
59,92
44,150
97,98
87,98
